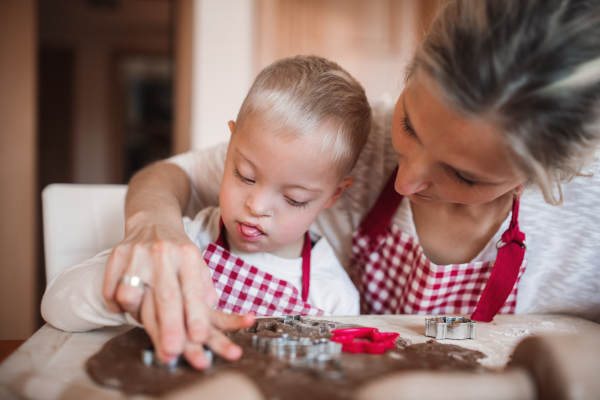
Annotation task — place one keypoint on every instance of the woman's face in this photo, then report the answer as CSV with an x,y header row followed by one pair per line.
x,y
444,157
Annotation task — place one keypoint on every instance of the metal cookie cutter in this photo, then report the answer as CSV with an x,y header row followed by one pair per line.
x,y
294,350
307,326
150,359
450,328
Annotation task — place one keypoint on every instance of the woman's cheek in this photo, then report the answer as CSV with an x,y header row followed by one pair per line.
x,y
456,192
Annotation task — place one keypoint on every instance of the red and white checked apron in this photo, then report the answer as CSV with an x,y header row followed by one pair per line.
x,y
243,288
393,275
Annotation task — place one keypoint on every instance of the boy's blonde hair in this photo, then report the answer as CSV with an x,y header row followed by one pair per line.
x,y
307,95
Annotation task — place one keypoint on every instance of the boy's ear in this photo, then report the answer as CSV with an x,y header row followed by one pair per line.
x,y
346,183
231,126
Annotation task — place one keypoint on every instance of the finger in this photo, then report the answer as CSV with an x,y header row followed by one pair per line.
x,y
220,343
168,302
117,261
148,319
230,322
128,297
197,311
223,346
196,356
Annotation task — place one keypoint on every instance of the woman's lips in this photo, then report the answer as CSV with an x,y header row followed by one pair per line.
x,y
249,233
422,196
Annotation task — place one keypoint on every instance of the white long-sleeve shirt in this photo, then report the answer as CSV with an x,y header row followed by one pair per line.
x,y
563,242
73,299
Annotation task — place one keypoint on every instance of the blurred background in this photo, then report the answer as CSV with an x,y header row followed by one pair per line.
x,y
93,90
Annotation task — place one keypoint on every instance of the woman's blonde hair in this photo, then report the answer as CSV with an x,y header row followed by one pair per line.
x,y
309,95
530,66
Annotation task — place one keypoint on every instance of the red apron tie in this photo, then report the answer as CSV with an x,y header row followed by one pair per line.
x,y
306,250
382,212
506,270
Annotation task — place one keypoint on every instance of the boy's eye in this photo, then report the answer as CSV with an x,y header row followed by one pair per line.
x,y
241,177
297,203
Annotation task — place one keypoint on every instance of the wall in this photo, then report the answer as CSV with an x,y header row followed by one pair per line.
x,y
223,66
18,49
183,12
373,39
96,36
235,39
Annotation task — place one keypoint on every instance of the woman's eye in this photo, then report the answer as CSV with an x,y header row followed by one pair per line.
x,y
295,203
462,180
407,128
241,177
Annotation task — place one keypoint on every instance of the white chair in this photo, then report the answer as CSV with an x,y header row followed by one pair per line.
x,y
80,221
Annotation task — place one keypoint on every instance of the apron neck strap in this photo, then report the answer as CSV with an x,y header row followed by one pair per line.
x,y
513,233
306,250
378,219
511,254
222,239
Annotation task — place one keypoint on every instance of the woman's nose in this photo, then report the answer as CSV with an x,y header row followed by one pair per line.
x,y
412,176
259,204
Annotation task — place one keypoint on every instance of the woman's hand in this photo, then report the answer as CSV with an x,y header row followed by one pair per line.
x,y
194,352
164,258
179,298
176,305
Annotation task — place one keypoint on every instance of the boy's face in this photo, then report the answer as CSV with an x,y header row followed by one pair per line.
x,y
273,188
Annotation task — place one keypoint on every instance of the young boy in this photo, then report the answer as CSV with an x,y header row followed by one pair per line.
x,y
297,136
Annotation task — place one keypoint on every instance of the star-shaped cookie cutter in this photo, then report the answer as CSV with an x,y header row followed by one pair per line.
x,y
150,359
450,328
364,340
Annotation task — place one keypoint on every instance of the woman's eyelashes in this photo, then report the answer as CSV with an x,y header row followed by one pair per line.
x,y
241,177
461,179
407,128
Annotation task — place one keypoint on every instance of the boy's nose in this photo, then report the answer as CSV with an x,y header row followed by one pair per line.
x,y
259,206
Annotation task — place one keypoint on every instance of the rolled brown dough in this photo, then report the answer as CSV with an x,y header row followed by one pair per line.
x,y
119,365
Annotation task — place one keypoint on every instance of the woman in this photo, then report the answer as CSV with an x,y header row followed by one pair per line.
x,y
502,98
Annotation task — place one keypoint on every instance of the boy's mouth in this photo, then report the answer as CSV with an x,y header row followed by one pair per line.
x,y
250,233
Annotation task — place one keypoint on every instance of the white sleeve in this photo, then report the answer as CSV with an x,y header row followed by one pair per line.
x,y
73,299
204,228
205,169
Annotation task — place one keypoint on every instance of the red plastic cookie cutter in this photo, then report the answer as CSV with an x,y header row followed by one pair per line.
x,y
364,340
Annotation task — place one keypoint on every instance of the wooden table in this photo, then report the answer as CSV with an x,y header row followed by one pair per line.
x,y
50,365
